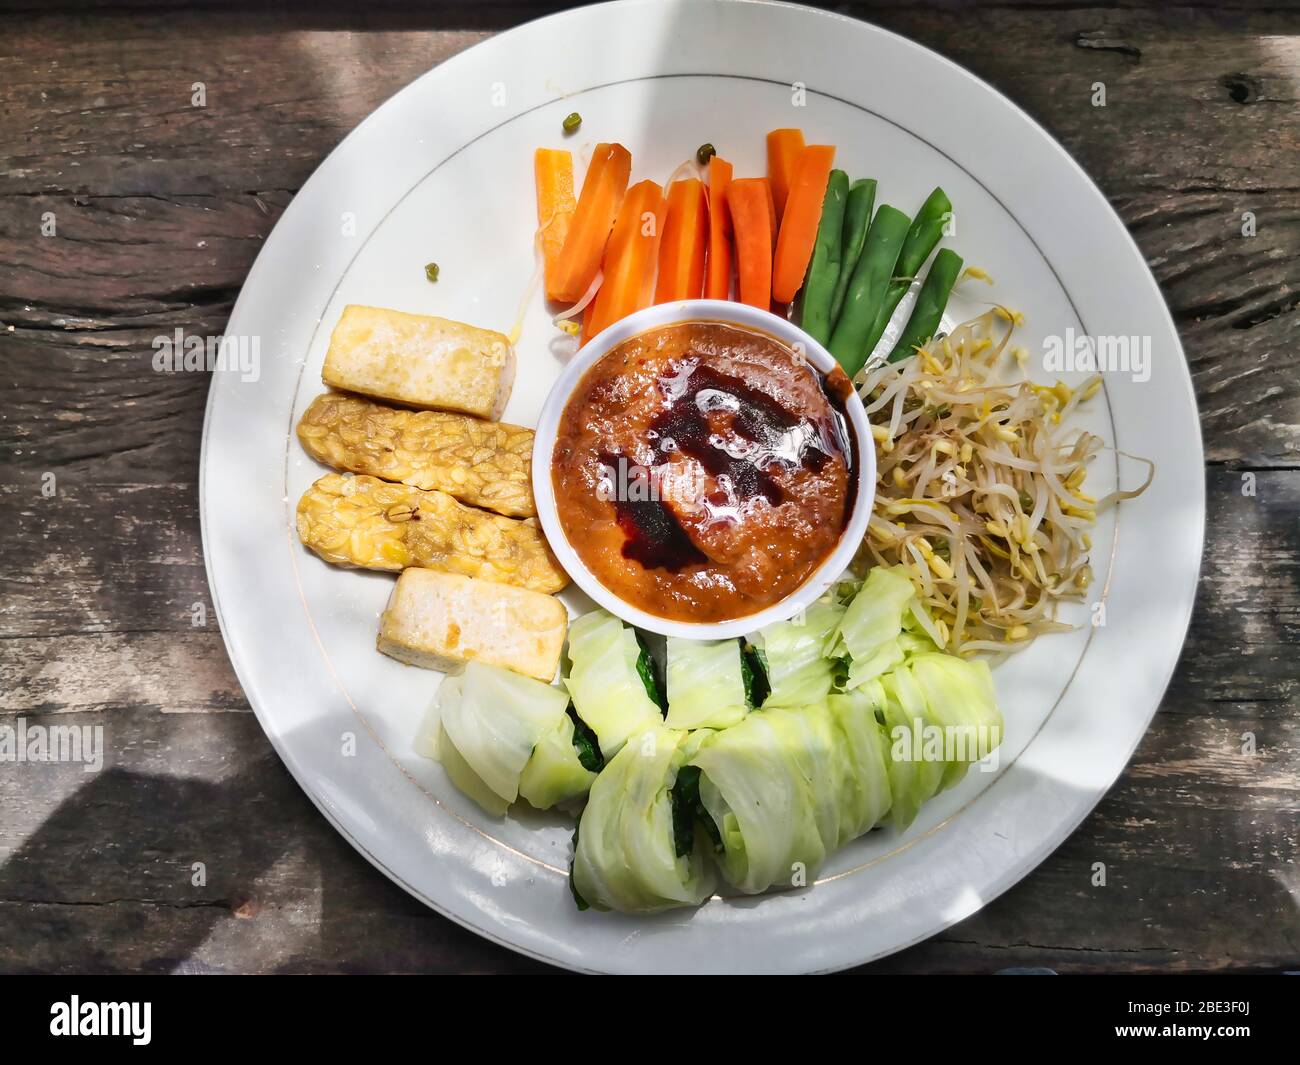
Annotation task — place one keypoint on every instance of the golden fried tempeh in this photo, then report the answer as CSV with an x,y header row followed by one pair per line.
x,y
372,524
482,463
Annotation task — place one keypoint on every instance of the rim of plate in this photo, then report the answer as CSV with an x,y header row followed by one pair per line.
x,y
985,877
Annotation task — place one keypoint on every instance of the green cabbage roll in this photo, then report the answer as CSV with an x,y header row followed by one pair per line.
x,y
626,856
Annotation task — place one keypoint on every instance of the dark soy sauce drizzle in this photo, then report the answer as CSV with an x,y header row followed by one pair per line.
x,y
655,538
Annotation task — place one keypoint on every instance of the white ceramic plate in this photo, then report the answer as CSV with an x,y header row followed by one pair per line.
x,y
443,171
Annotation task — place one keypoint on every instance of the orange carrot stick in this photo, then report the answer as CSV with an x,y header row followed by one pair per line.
x,y
748,200
602,195
686,236
717,284
803,213
555,205
630,256
783,148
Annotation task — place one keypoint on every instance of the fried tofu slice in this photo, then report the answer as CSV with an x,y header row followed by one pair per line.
x,y
420,361
371,524
443,620
485,464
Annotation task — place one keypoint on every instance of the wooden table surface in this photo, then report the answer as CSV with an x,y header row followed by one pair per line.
x,y
159,210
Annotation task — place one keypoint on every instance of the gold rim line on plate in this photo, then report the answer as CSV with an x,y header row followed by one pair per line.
x,y
290,507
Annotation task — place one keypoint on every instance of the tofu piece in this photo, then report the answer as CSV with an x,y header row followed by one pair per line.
x,y
442,621
420,361
485,464
372,524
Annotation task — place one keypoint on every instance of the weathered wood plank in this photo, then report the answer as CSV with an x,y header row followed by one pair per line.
x,y
1241,645
1236,301
168,671
93,559
278,100
97,871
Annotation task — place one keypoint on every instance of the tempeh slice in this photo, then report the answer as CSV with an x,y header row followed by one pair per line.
x,y
485,464
372,524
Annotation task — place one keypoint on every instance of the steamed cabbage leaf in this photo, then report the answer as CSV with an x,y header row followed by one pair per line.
x,y
941,716
431,742
869,630
607,687
866,796
960,699
462,774
491,720
706,684
914,778
626,855
793,653
820,759
555,773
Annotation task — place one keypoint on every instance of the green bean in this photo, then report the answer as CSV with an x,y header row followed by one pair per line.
x,y
930,302
922,238
857,219
867,287
571,122
825,267
704,153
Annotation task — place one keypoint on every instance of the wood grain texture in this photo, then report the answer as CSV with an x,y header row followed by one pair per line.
x,y
160,210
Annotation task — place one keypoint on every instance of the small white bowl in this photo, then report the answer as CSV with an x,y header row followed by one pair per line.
x,y
746,317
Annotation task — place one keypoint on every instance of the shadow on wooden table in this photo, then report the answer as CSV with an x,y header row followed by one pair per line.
x,y
139,872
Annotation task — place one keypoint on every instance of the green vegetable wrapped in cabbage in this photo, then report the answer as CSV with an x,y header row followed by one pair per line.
x,y
706,684
627,856
790,785
610,680
500,735
793,654
760,804
861,721
555,773
941,716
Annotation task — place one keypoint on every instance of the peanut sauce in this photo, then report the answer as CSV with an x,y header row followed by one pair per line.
x,y
702,471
